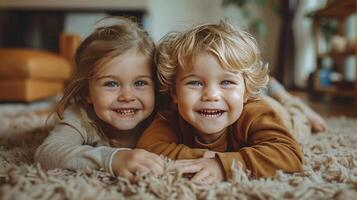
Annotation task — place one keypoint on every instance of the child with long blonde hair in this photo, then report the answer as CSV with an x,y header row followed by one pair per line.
x,y
106,105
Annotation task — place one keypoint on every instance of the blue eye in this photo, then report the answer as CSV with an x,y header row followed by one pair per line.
x,y
140,83
111,84
195,83
227,83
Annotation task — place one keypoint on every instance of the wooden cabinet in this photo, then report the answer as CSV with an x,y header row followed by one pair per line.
x,y
339,11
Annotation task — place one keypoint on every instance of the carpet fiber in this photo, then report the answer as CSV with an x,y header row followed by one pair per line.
x,y
330,171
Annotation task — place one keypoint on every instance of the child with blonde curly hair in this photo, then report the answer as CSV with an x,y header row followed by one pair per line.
x,y
214,76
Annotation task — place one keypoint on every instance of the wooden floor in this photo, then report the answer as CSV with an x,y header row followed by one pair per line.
x,y
330,107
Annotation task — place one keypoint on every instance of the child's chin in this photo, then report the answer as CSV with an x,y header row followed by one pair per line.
x,y
210,131
125,127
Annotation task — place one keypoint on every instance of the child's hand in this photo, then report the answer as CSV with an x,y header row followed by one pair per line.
x,y
209,154
207,170
127,162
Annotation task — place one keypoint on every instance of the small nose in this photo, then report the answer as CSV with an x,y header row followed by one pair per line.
x,y
211,93
126,94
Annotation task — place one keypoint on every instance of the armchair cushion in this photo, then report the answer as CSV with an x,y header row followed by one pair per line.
x,y
28,63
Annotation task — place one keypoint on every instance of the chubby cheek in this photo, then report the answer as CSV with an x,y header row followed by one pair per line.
x,y
182,104
102,105
236,101
236,97
179,98
147,99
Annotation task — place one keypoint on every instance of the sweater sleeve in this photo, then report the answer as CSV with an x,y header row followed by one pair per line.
x,y
268,146
68,147
161,138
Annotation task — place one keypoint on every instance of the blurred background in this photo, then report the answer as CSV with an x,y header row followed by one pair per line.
x,y
310,45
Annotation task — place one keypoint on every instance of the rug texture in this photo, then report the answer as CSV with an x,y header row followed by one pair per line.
x,y
330,170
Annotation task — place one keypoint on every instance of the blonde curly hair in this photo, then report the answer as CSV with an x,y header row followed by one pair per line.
x,y
235,49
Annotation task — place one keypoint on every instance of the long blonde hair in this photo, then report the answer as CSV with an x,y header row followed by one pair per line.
x,y
101,46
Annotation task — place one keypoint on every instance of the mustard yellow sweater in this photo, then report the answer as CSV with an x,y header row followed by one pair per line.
x,y
258,140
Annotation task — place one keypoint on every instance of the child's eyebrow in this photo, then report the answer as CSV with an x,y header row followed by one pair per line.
x,y
115,77
144,76
188,76
102,77
234,74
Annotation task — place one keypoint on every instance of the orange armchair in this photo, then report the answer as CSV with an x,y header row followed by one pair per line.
x,y
28,74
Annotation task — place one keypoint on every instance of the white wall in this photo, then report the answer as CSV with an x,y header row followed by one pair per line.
x,y
168,15
305,54
351,34
81,23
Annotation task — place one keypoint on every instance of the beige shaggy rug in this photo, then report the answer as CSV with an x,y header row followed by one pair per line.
x,y
330,170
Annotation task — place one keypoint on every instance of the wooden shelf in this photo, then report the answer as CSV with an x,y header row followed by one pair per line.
x,y
337,8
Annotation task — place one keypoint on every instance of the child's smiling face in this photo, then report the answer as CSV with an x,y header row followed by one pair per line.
x,y
209,97
122,91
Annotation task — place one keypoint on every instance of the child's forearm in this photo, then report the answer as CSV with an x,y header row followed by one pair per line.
x,y
172,150
262,144
262,161
64,148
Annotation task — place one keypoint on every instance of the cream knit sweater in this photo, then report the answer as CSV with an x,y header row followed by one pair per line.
x,y
74,144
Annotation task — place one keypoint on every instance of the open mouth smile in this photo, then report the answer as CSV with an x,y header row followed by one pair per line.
x,y
211,113
126,112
